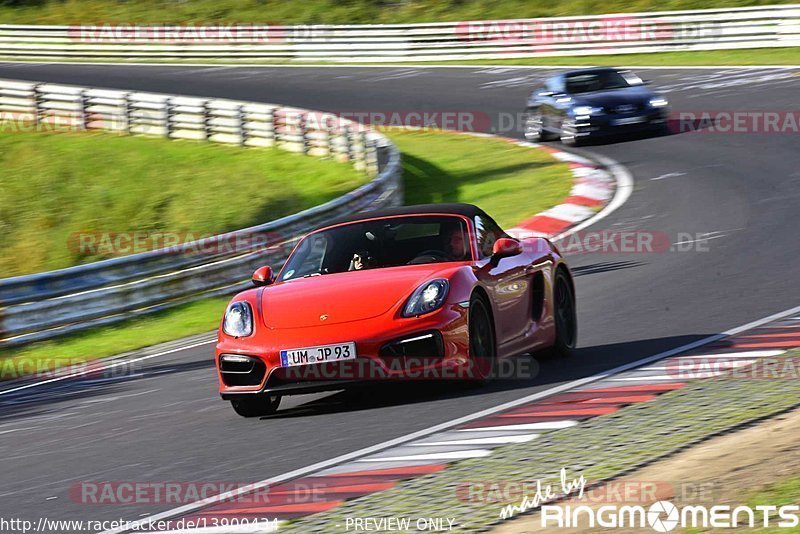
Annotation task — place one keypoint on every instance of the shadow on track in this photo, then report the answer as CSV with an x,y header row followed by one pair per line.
x,y
548,372
39,400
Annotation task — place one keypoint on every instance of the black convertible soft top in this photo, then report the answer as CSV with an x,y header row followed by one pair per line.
x,y
454,208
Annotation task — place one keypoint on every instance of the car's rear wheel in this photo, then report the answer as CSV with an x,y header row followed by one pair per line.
x,y
256,405
565,315
482,346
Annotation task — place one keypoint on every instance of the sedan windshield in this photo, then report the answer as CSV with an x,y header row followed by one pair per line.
x,y
387,242
604,80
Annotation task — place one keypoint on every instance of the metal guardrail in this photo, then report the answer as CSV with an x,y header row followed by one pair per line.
x,y
44,305
707,29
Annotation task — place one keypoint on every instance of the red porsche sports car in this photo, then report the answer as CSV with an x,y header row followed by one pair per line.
x,y
417,292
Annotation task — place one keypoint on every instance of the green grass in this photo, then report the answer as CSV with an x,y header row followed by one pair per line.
x,y
757,56
327,11
510,182
57,186
782,492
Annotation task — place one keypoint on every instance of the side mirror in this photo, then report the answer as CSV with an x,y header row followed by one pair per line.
x,y
263,276
506,247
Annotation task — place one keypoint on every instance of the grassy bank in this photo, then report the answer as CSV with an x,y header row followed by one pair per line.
x,y
60,187
509,181
327,11
755,56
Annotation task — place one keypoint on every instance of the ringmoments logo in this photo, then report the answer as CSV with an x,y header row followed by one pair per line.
x,y
565,505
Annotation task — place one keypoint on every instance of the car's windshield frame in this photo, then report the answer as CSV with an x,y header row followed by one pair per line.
x,y
627,77
469,236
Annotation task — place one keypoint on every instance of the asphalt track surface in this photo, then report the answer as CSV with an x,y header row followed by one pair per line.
x,y
741,192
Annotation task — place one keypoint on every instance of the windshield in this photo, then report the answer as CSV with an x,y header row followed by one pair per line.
x,y
604,80
380,243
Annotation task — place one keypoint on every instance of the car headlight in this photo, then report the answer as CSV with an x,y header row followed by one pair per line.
x,y
658,102
238,321
427,298
587,110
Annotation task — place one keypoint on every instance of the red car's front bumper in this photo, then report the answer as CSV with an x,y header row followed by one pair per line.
x,y
435,346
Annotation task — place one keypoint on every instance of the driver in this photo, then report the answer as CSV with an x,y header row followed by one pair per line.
x,y
360,261
455,245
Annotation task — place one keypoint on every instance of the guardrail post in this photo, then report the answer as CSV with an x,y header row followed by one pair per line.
x,y
327,130
242,118
83,113
127,112
348,142
37,105
206,121
168,107
371,157
269,118
361,152
304,132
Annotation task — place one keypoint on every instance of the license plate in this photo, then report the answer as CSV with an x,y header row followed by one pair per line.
x,y
630,120
321,354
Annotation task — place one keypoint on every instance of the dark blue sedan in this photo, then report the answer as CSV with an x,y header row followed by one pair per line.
x,y
582,104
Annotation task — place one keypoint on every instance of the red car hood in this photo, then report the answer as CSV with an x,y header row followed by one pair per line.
x,y
343,297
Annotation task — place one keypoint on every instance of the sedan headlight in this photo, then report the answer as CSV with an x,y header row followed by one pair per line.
x,y
658,102
238,321
427,298
587,110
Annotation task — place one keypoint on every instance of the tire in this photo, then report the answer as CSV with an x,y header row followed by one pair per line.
x,y
256,405
568,135
564,314
482,341
534,128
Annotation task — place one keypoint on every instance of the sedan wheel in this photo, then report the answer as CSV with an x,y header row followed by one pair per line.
x,y
482,350
565,316
256,405
534,129
569,133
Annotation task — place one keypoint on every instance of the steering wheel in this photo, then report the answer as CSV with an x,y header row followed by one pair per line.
x,y
428,256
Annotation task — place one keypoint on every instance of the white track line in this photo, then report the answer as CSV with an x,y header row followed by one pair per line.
x,y
449,456
646,378
575,384
497,440
680,370
550,425
753,354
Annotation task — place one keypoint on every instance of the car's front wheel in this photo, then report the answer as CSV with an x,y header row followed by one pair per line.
x,y
534,126
482,347
256,405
